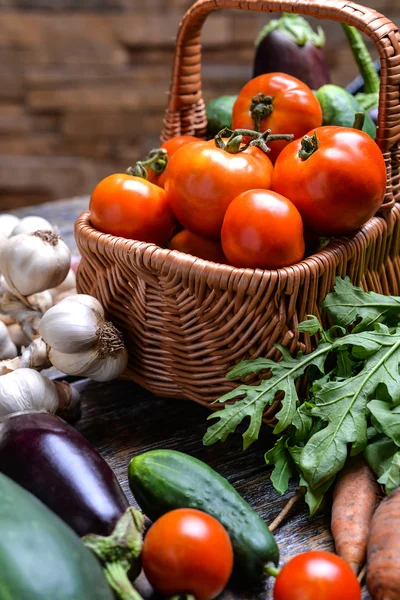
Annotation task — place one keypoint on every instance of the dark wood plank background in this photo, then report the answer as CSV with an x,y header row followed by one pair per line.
x,y
122,420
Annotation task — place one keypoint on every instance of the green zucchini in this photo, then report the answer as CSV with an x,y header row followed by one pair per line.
x,y
219,114
41,558
163,480
339,107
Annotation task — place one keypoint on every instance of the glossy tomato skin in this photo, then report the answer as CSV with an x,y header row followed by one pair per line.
x,y
197,245
131,207
262,229
317,575
202,180
171,146
340,186
295,108
187,551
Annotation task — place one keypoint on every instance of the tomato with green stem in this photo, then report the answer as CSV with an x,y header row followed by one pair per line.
x,y
278,102
316,575
187,551
131,207
204,177
156,169
335,176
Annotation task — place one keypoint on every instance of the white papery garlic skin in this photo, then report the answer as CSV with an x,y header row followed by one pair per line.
x,y
72,325
7,347
81,341
31,224
26,389
34,262
7,224
90,364
69,284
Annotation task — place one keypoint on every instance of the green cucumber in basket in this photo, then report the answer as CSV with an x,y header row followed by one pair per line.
x,y
163,480
41,558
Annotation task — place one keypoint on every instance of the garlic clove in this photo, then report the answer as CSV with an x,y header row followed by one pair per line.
x,y
41,301
110,367
34,262
73,325
7,224
26,389
7,347
31,224
17,335
73,364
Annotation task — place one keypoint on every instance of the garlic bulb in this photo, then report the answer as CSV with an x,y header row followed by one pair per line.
x,y
34,262
81,341
31,224
73,325
91,363
28,390
7,224
7,347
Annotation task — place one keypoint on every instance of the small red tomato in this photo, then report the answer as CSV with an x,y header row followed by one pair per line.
x,y
202,180
131,207
187,551
196,245
171,146
336,176
262,229
288,106
317,575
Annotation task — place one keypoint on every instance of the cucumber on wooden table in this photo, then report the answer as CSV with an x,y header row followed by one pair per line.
x,y
163,480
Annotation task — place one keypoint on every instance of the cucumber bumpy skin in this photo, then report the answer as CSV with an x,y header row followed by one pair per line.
x,y
163,480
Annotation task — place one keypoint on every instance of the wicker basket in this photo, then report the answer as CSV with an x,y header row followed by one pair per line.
x,y
187,321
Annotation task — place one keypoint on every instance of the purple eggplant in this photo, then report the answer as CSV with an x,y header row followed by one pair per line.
x,y
290,45
54,462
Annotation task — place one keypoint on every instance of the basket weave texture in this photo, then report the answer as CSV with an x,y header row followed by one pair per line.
x,y
187,321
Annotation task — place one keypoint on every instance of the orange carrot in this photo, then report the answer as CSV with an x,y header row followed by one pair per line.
x,y
383,565
355,498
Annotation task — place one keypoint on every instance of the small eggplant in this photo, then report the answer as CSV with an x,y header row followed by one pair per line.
x,y
54,462
290,45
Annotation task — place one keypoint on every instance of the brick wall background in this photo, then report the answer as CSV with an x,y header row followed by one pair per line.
x,y
83,84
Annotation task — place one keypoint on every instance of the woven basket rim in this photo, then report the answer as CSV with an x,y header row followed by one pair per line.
x,y
182,259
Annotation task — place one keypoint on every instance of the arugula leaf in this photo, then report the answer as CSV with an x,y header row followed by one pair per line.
x,y
315,498
280,457
256,398
343,406
311,326
347,303
385,419
379,454
391,478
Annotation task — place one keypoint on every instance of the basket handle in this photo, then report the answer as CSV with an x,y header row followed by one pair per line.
x,y
186,111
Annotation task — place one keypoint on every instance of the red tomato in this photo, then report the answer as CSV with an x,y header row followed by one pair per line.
x,y
202,180
131,207
171,146
317,575
339,186
188,551
262,230
293,108
196,245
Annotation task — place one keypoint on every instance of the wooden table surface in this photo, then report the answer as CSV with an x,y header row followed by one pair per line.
x,y
122,420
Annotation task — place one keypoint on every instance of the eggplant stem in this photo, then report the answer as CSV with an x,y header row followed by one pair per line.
x,y
119,582
271,569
